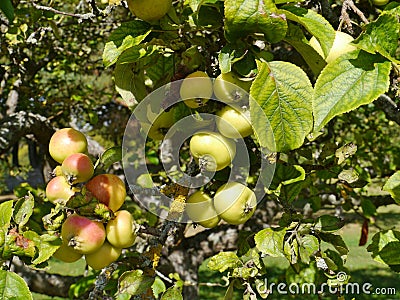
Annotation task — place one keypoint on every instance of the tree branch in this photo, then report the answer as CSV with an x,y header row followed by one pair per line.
x,y
18,125
389,107
345,16
96,12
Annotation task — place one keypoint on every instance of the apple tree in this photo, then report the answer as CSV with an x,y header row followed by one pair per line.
x,y
233,131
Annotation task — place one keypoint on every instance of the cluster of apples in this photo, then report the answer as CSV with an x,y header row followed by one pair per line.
x,y
100,243
214,150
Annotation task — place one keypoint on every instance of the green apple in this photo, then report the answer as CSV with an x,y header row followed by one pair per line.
x,y
160,125
196,89
235,203
104,256
200,209
121,230
67,254
149,10
341,45
229,88
212,150
233,123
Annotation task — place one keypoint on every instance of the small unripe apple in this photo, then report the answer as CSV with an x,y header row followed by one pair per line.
x,y
200,209
82,234
196,89
66,254
104,256
235,203
229,88
77,167
212,150
233,123
65,142
380,2
341,45
121,230
57,171
160,125
149,10
59,190
109,189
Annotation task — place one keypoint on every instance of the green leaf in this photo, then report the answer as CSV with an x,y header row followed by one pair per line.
x,y
245,272
129,34
230,54
287,174
229,291
46,244
308,245
392,186
296,38
328,223
353,178
110,156
352,80
284,93
160,69
335,240
270,241
301,273
244,17
314,23
13,287
135,53
6,212
369,209
223,261
134,283
158,287
381,36
345,152
130,83
7,8
23,209
379,242
390,253
172,293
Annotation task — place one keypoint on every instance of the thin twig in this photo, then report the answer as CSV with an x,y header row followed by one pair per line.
x,y
345,16
96,12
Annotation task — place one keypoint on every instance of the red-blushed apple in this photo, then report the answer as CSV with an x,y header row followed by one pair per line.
x,y
104,256
121,230
65,142
108,189
58,190
67,254
82,234
77,167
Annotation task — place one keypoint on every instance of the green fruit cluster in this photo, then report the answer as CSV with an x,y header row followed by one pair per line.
x,y
213,150
100,243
